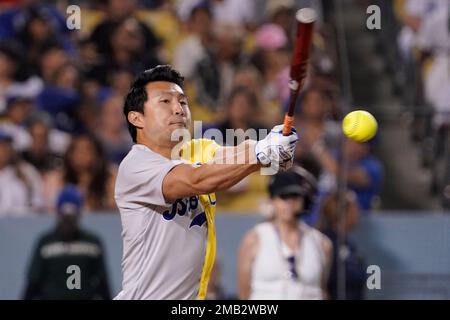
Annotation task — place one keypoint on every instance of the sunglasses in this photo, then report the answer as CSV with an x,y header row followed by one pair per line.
x,y
289,196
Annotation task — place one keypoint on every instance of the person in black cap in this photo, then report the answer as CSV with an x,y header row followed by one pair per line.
x,y
63,250
283,258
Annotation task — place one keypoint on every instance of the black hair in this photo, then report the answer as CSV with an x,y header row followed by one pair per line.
x,y
137,96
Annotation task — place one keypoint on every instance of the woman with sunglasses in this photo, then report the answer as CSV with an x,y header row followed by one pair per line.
x,y
283,258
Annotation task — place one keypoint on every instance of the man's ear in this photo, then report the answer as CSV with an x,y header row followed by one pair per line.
x,y
136,119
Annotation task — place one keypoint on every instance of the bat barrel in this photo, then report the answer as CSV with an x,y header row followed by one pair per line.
x,y
306,15
305,23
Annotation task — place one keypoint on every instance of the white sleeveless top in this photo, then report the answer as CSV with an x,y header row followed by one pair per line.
x,y
271,276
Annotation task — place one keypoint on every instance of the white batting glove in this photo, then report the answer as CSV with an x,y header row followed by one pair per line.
x,y
276,148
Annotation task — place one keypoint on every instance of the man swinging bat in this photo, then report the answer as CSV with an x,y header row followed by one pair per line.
x,y
167,204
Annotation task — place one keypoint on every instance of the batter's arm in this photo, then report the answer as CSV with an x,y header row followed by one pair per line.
x,y
229,166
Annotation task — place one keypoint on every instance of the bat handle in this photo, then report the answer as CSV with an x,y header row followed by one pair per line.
x,y
288,123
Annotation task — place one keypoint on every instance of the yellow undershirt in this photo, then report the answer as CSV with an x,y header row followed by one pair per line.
x,y
199,151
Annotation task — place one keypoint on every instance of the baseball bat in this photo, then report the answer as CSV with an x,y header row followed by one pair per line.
x,y
305,24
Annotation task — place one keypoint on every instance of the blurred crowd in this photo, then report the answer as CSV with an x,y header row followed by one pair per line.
x,y
421,62
63,134
61,92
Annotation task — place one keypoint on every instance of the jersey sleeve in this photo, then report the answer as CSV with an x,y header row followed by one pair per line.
x,y
139,182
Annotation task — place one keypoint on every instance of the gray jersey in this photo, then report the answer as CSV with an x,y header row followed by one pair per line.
x,y
163,243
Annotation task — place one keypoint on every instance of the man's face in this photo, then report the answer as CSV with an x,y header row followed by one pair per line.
x,y
165,111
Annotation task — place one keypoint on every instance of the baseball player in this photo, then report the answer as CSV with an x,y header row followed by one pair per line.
x,y
166,202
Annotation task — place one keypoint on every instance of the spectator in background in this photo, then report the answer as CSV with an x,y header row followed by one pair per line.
x,y
314,124
18,109
51,57
9,60
67,77
192,50
272,60
434,41
20,183
61,98
128,51
240,111
67,245
282,13
87,115
120,83
240,108
355,272
41,153
365,172
249,77
112,132
214,74
35,29
12,18
13,81
86,167
235,12
415,12
89,62
117,12
283,258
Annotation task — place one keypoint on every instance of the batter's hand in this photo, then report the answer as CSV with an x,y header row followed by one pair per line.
x,y
276,148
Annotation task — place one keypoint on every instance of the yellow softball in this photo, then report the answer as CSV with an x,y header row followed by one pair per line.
x,y
359,125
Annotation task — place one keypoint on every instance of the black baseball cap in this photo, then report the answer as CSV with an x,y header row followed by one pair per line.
x,y
296,181
285,183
